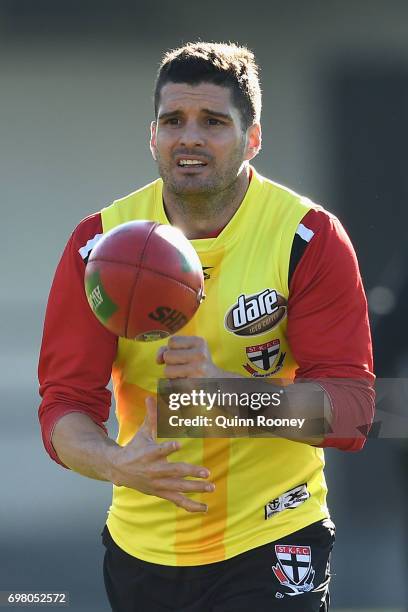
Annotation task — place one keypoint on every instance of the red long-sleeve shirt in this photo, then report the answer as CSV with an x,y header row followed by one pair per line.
x,y
328,332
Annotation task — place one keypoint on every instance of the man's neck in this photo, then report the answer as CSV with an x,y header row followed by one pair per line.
x,y
203,216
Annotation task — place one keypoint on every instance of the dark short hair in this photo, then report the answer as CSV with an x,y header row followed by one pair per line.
x,y
225,64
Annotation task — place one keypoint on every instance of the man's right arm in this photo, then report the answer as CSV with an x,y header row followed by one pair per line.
x,y
82,446
77,352
75,365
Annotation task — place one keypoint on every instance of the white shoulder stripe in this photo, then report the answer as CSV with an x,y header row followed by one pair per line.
x,y
85,250
304,232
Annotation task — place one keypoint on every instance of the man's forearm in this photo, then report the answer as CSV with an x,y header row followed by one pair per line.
x,y
83,446
308,401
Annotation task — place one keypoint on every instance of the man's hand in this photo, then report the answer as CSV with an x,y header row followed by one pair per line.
x,y
142,465
188,357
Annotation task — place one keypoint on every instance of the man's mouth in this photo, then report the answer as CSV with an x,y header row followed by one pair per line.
x,y
184,162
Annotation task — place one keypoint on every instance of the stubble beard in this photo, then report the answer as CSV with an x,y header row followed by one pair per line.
x,y
195,196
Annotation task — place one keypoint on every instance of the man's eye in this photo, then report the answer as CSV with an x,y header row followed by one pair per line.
x,y
213,121
173,121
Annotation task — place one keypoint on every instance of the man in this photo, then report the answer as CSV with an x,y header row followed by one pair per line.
x,y
213,524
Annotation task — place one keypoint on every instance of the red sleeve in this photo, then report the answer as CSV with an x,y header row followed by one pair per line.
x,y
328,328
77,351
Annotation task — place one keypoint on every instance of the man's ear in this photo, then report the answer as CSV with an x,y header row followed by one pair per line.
x,y
254,141
153,127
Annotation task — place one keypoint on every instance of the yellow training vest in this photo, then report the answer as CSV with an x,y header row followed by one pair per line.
x,y
249,260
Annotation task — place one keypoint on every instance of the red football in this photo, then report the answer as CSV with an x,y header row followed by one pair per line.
x,y
144,280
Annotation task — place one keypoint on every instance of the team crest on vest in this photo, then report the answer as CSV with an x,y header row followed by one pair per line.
x,y
264,356
255,314
294,568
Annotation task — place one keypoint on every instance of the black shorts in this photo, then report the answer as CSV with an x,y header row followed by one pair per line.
x,y
289,574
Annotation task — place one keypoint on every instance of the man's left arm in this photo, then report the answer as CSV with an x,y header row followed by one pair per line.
x,y
328,327
329,335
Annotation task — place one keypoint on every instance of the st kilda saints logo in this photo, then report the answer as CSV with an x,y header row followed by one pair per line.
x,y
294,569
264,356
253,315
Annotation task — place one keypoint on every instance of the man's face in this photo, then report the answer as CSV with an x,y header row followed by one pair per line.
x,y
198,140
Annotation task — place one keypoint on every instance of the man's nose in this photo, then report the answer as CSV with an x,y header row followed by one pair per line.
x,y
192,135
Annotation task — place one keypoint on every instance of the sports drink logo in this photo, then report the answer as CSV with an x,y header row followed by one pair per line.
x,y
253,315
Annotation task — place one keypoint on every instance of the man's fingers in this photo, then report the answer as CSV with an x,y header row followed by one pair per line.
x,y
185,370
187,469
160,451
174,357
184,357
170,469
185,342
185,486
179,343
160,355
184,502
